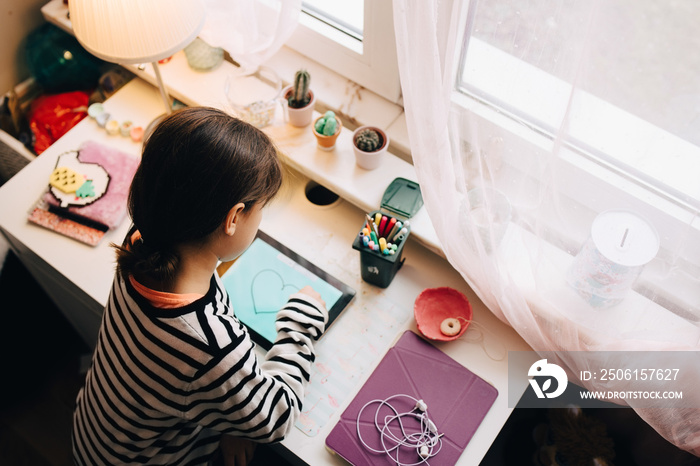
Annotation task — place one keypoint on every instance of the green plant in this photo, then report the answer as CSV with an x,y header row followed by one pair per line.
x,y
368,140
327,125
300,90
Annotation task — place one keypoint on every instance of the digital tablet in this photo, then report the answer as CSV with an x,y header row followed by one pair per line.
x,y
261,280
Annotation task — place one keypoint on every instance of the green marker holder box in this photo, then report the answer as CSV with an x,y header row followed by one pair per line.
x,y
401,200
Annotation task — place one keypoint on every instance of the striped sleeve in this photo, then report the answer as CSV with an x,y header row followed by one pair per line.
x,y
235,394
299,322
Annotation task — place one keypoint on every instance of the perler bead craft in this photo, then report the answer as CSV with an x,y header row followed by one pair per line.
x,y
65,179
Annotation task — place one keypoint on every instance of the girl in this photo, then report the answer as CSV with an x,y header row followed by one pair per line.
x,y
173,368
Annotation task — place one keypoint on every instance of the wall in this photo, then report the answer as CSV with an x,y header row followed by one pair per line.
x,y
19,18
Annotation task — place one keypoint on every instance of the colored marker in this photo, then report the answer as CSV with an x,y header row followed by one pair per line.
x,y
390,226
382,225
404,232
382,244
394,230
377,218
370,244
374,237
365,231
371,225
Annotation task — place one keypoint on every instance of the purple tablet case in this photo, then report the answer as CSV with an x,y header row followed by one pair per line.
x,y
457,399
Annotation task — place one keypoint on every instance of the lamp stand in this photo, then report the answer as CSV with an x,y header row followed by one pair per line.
x,y
166,101
163,92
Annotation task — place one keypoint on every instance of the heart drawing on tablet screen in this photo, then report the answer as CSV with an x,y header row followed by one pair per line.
x,y
269,291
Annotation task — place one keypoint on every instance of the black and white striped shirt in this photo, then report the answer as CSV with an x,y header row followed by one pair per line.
x,y
165,383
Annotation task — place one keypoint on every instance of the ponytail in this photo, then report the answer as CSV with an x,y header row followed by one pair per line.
x,y
140,258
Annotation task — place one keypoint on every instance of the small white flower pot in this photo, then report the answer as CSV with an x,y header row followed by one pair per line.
x,y
299,117
370,160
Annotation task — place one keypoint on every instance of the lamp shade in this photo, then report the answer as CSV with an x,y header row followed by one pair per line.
x,y
136,31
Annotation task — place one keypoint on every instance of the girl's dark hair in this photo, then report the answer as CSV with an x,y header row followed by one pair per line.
x,y
196,165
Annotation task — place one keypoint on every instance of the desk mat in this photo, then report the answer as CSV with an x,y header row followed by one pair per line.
x,y
351,346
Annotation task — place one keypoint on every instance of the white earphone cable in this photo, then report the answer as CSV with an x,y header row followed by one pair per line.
x,y
427,442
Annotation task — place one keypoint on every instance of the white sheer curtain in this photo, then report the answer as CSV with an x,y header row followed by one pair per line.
x,y
251,31
560,127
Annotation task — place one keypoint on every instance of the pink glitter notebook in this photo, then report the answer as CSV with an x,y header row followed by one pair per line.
x,y
101,177
457,399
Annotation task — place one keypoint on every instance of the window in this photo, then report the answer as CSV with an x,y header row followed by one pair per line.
x,y
354,38
345,17
635,109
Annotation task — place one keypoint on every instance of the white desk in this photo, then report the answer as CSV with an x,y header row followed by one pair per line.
x,y
78,277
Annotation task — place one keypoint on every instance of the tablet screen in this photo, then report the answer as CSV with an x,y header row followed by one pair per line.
x,y
261,280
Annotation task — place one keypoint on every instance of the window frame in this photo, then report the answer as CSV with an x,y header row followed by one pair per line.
x,y
372,65
588,130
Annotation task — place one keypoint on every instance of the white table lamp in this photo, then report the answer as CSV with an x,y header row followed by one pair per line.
x,y
137,31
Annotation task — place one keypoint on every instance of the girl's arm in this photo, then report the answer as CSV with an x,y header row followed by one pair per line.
x,y
303,316
261,402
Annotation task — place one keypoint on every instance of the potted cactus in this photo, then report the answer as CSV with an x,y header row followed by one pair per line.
x,y
369,144
299,100
326,129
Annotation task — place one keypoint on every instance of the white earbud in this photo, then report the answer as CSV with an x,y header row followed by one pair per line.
x,y
424,452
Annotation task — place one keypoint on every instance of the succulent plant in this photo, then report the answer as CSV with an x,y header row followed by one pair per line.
x,y
327,125
368,140
300,90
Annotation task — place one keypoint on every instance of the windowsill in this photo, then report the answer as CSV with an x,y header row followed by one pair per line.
x,y
557,303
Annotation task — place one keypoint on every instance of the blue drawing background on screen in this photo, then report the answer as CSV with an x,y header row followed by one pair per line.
x,y
260,282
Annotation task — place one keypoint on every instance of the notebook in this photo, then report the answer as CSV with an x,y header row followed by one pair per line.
x,y
457,399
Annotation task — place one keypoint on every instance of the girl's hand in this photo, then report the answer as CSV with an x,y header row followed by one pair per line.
x,y
307,290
